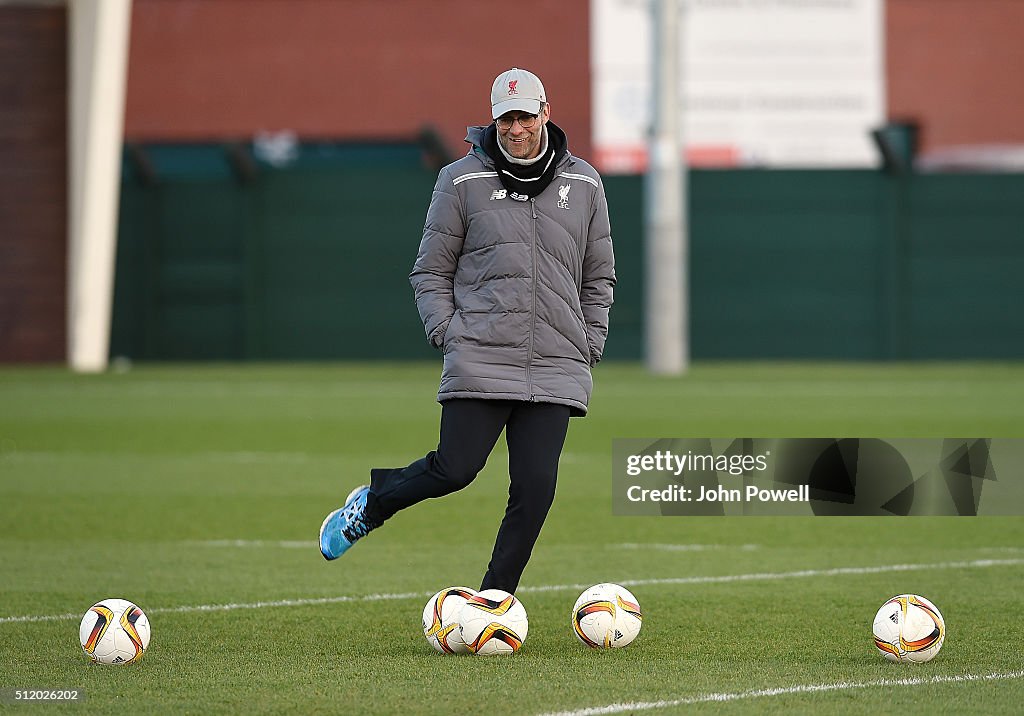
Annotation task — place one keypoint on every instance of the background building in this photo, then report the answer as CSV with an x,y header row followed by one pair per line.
x,y
225,253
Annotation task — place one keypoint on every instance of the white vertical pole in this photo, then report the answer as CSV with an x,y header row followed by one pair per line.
x,y
98,57
665,296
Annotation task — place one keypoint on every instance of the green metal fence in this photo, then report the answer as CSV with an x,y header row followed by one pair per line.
x,y
222,258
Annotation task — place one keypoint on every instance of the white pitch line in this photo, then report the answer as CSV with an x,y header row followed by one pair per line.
x,y
670,547
311,544
785,691
768,576
754,577
287,544
237,605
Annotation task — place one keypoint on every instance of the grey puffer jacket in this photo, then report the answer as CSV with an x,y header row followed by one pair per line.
x,y
516,293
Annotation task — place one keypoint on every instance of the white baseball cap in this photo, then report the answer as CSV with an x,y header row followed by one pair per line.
x,y
516,89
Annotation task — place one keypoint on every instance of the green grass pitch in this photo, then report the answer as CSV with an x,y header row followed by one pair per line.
x,y
197,492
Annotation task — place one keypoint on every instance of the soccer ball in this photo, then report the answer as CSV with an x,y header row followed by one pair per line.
x,y
909,628
606,616
493,622
441,620
114,631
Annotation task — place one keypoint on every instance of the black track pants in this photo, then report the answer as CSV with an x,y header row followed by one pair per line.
x,y
535,434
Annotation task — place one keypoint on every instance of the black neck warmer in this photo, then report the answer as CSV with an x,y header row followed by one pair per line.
x,y
526,181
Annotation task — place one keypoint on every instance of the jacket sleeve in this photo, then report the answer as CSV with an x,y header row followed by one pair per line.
x,y
596,289
433,274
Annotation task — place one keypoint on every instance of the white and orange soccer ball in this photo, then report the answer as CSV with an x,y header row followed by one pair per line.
x,y
606,616
908,627
114,631
441,620
493,622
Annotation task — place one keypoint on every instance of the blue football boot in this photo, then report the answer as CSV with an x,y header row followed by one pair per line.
x,y
346,525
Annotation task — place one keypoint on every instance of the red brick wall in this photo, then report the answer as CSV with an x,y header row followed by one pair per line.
x,y
368,69
359,69
33,183
957,66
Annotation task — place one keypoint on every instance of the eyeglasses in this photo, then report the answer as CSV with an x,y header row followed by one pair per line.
x,y
525,121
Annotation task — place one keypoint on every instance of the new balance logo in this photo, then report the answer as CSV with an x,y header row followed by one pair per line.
x,y
498,194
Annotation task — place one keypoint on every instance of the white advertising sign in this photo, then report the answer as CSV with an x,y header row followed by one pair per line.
x,y
773,83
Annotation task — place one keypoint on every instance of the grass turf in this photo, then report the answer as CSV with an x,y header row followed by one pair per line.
x,y
187,487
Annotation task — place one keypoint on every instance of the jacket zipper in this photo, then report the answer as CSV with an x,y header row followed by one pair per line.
x,y
533,310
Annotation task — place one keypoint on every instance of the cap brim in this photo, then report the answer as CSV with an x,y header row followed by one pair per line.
x,y
516,103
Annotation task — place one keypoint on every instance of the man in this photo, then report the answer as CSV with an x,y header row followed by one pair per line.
x,y
513,282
